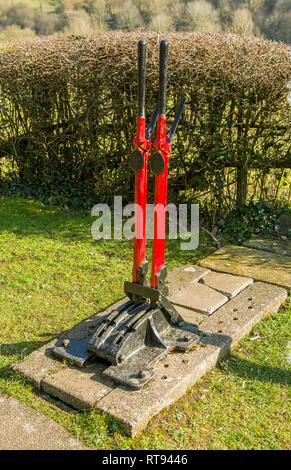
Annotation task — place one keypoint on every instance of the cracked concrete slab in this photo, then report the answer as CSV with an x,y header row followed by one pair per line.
x,y
79,388
198,297
179,278
191,316
39,364
227,284
236,318
22,428
174,374
250,262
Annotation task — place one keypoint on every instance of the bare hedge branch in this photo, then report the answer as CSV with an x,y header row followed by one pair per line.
x,y
68,107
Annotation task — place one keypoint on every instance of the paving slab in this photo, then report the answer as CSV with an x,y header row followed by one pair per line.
x,y
281,247
179,278
237,318
190,315
177,372
79,388
249,262
227,284
199,298
173,376
39,364
22,428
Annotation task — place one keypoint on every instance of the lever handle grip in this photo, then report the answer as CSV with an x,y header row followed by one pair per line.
x,y
163,77
141,77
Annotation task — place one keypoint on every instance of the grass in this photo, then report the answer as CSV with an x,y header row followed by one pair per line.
x,y
53,275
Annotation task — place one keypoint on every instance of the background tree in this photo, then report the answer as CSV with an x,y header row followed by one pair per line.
x,y
202,16
78,22
242,22
162,22
278,25
19,14
15,32
46,24
129,17
270,19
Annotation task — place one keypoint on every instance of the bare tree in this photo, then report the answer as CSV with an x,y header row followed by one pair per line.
x,y
242,22
202,16
162,22
78,22
129,17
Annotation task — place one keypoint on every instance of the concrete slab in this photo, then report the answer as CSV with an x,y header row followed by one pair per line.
x,y
173,376
191,316
236,318
227,284
39,364
256,264
180,277
80,388
177,372
22,428
199,298
281,247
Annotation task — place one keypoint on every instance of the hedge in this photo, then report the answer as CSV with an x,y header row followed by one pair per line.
x,y
68,107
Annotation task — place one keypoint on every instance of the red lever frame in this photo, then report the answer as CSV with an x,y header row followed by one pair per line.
x,y
164,148
140,199
159,166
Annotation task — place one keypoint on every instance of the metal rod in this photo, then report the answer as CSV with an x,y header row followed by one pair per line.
x,y
163,77
141,77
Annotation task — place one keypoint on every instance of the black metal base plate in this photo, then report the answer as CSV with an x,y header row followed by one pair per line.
x,y
74,350
134,372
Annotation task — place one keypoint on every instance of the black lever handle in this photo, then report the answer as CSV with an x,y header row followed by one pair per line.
x,y
163,77
152,124
141,77
176,121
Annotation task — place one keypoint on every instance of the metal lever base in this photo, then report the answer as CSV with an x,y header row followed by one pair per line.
x,y
136,336
132,337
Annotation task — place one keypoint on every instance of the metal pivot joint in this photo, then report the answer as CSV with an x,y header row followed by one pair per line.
x,y
146,326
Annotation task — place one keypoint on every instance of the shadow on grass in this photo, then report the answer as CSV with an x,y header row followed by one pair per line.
x,y
250,370
17,349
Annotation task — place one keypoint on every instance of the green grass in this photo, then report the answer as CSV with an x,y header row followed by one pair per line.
x,y
53,275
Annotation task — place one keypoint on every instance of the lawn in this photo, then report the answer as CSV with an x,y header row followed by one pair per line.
x,y
53,275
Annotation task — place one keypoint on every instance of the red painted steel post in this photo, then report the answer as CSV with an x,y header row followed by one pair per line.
x,y
163,149
142,146
161,186
140,200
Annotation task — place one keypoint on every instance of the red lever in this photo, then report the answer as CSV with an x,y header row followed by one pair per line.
x,y
139,243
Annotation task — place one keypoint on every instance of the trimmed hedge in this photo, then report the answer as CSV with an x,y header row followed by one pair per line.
x,y
68,107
